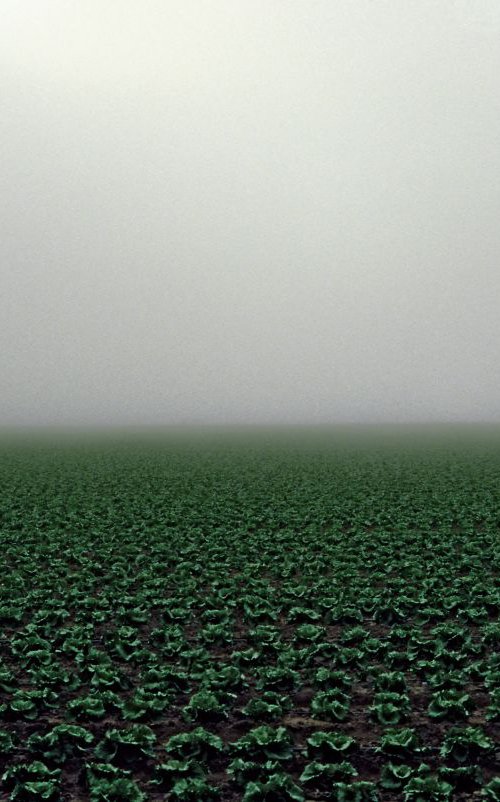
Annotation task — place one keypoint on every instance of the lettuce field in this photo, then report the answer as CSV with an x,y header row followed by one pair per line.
x,y
250,618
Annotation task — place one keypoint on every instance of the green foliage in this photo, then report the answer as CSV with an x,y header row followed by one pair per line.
x,y
328,678
389,707
463,778
427,789
167,773
30,782
198,743
316,773
465,744
491,791
394,776
450,704
106,783
127,744
333,704
94,707
393,681
278,788
277,679
159,589
268,706
308,633
361,791
400,743
243,771
228,679
205,706
7,744
61,743
194,790
329,746
27,705
264,743
142,706
493,712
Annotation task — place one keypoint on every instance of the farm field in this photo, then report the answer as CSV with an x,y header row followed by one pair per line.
x,y
251,618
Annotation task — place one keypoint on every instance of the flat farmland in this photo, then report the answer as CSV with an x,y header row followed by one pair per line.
x,y
241,617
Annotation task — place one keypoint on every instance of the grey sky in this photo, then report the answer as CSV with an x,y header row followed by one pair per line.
x,y
249,210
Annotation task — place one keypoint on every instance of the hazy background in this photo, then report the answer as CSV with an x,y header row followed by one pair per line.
x,y
249,211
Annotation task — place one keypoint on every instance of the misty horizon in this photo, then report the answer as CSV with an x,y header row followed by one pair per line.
x,y
250,213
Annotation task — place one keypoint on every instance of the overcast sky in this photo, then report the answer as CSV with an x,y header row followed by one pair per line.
x,y
249,211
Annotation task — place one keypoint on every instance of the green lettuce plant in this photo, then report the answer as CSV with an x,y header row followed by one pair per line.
x,y
264,743
279,787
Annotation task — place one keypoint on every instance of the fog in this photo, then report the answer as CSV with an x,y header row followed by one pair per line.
x,y
249,211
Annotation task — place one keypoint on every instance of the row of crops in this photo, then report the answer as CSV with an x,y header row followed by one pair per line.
x,y
259,621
